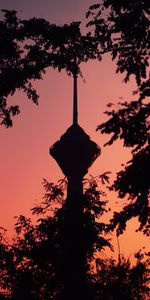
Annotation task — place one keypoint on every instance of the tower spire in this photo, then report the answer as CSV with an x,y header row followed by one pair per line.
x,y
75,97
75,100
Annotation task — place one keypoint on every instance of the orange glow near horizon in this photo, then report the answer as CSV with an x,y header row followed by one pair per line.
x,y
25,158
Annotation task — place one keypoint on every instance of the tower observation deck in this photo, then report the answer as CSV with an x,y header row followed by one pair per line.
x,y
75,152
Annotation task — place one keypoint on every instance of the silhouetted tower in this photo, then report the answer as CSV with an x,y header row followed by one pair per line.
x,y
74,153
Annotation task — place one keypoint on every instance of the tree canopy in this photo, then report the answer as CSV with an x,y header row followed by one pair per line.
x,y
124,29
130,123
28,47
32,266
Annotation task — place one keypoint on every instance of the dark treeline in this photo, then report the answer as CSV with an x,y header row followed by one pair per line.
x,y
31,267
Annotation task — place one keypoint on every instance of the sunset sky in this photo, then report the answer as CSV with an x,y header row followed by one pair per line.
x,y
25,158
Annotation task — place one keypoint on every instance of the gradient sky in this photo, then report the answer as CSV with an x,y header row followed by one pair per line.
x,y
25,158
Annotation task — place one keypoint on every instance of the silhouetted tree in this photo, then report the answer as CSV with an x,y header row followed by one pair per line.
x,y
130,123
121,280
28,47
123,28
33,266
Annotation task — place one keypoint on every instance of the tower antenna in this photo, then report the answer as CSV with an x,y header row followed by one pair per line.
x,y
75,97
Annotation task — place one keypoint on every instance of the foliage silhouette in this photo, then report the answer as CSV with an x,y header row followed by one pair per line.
x,y
32,267
130,123
124,29
28,47
121,280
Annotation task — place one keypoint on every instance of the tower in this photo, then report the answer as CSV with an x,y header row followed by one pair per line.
x,y
74,153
